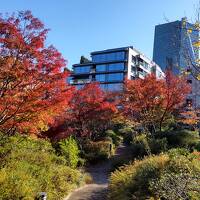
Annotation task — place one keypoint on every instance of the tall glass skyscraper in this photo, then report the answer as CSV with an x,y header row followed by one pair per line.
x,y
173,46
174,49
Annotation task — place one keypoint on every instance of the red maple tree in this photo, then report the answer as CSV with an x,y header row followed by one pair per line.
x,y
33,89
90,111
151,101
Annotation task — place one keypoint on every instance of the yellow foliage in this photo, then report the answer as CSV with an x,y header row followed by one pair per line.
x,y
186,73
198,60
42,126
197,25
184,23
198,77
189,30
196,44
189,117
125,176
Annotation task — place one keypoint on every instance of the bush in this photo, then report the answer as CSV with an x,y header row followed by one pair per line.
x,y
197,147
116,139
108,139
31,166
133,180
180,178
153,178
158,145
117,162
178,152
68,148
128,135
140,146
138,150
97,151
181,138
143,145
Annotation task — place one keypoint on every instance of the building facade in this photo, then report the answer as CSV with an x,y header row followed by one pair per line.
x,y
173,49
112,66
172,46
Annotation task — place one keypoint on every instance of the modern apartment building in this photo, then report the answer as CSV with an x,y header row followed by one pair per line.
x,y
112,66
174,49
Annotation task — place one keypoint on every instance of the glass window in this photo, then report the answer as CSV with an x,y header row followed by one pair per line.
x,y
79,86
100,68
134,60
109,57
116,66
146,65
116,77
115,86
82,70
103,86
132,77
133,68
144,73
69,79
97,58
120,55
100,77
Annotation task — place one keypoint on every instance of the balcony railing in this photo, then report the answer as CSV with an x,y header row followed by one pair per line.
x,y
141,66
80,81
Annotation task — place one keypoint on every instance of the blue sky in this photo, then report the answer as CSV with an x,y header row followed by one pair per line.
x,y
81,26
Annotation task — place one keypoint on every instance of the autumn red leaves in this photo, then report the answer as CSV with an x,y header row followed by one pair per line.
x,y
33,88
34,95
151,102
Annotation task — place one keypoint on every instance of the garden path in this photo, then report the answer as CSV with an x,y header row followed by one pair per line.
x,y
100,173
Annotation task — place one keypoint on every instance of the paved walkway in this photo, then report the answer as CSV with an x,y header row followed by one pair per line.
x,y
100,174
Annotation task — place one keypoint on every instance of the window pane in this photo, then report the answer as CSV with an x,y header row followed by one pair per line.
x,y
79,86
100,77
134,60
115,56
120,55
115,86
146,65
116,66
101,68
110,56
82,70
116,77
103,86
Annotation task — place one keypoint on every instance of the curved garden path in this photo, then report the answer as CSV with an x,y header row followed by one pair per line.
x,y
100,174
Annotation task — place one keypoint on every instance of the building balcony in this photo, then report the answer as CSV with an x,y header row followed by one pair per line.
x,y
83,81
143,67
140,75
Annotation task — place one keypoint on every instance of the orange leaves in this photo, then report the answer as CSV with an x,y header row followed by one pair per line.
x,y
175,91
143,93
189,116
151,101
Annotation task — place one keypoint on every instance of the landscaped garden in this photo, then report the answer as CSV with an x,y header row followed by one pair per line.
x,y
50,132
